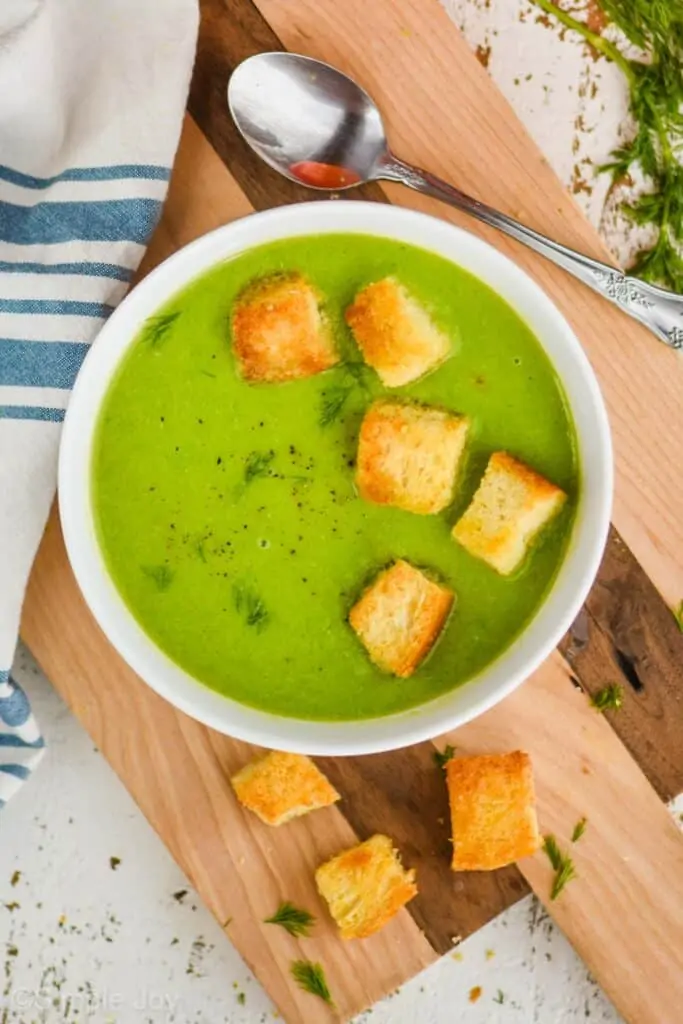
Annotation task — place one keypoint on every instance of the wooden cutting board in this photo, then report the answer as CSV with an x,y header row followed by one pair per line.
x,y
621,912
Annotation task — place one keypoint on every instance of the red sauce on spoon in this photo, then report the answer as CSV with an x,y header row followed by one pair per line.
x,y
310,172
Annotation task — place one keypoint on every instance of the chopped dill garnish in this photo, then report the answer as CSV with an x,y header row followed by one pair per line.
x,y
295,921
609,698
656,104
552,852
334,398
332,402
579,829
562,865
250,606
442,757
201,553
157,327
257,464
161,575
499,997
311,978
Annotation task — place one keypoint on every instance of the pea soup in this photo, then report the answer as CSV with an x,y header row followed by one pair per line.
x,y
227,512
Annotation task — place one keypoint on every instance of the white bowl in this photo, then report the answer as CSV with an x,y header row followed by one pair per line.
x,y
561,604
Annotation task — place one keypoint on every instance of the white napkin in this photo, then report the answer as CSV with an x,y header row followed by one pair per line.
x,y
92,94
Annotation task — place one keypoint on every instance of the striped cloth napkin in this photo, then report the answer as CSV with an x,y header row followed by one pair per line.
x,y
92,97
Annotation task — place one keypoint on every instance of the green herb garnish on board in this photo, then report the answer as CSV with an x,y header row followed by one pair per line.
x,y
295,921
250,606
610,698
562,865
311,978
656,104
257,464
161,575
157,328
499,997
579,830
442,757
678,615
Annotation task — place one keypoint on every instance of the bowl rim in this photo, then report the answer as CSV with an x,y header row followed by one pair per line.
x,y
537,639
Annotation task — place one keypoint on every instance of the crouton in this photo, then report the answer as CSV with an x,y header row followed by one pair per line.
x,y
365,887
509,508
394,333
409,456
399,618
493,813
282,786
279,332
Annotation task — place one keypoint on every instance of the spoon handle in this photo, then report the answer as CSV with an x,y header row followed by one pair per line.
x,y
658,309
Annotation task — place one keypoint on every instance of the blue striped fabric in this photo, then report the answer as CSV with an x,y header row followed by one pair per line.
x,y
32,412
39,280
21,745
103,220
83,269
116,172
56,307
40,364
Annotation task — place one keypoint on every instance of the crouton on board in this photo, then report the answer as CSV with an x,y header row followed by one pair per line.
x,y
365,887
281,786
493,813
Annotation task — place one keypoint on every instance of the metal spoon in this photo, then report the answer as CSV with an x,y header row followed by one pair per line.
x,y
317,127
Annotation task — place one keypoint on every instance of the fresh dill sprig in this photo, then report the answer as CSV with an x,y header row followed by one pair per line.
x,y
157,327
579,830
442,757
294,920
161,575
562,864
678,615
250,606
610,698
332,402
334,398
656,104
257,464
311,978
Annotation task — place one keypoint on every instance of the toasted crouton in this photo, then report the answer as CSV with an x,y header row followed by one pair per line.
x,y
394,333
409,455
279,332
510,506
365,887
493,813
399,618
282,786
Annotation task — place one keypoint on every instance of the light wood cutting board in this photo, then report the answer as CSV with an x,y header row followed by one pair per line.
x,y
621,913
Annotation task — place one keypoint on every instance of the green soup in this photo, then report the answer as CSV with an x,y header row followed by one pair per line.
x,y
228,516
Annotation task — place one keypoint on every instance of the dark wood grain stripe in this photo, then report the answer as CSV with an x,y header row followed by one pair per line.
x,y
626,633
229,32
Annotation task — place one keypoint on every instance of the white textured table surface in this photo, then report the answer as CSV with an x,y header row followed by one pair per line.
x,y
98,924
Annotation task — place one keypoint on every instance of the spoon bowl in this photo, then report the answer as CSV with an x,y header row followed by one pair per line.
x,y
307,120
319,128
